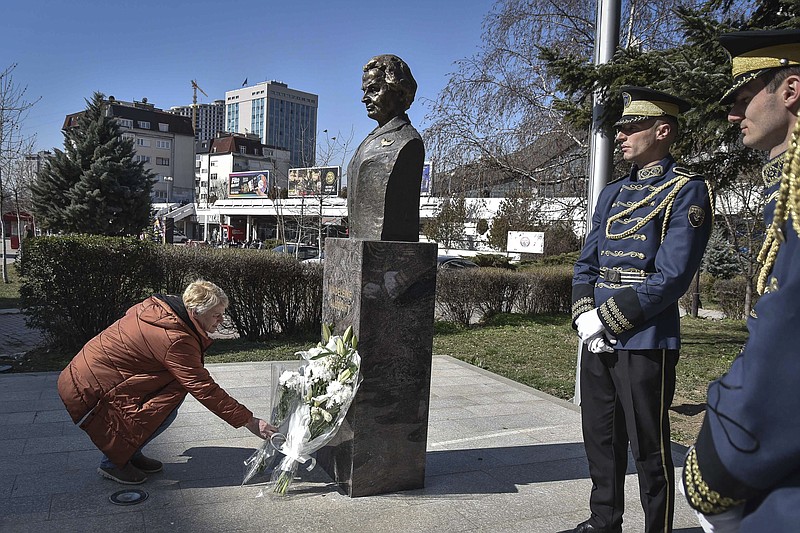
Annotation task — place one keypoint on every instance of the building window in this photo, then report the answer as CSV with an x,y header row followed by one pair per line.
x,y
142,142
142,158
144,124
243,149
213,177
125,122
162,161
255,151
163,144
213,163
163,127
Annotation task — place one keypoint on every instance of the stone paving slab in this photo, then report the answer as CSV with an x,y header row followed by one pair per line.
x,y
502,457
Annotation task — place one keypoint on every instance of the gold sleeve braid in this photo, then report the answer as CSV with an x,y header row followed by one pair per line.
x,y
582,305
787,205
700,495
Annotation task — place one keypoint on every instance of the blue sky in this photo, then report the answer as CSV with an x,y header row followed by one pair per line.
x,y
66,50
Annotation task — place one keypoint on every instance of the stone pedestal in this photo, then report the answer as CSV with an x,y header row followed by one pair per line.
x,y
386,291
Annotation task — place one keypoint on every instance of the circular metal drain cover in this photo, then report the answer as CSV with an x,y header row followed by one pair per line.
x,y
128,497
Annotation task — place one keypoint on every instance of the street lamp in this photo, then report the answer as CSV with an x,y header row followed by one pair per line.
x,y
168,179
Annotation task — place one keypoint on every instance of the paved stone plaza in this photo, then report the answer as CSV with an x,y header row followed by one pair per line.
x,y
502,457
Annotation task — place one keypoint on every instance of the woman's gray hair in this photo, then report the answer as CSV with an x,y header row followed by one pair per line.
x,y
202,295
397,75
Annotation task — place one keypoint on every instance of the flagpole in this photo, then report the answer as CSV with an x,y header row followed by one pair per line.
x,y
601,147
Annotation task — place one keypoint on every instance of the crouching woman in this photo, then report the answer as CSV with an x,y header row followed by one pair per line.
x,y
124,387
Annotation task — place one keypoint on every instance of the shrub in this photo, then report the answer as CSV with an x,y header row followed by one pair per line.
x,y
496,290
455,295
492,260
463,296
270,294
546,290
73,287
729,295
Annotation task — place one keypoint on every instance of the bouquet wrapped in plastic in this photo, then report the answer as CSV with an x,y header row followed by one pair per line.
x,y
309,406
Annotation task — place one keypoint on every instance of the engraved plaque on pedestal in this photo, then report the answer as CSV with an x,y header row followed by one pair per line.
x,y
386,291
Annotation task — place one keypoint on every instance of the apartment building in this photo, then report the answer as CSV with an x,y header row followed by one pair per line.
x,y
209,118
232,153
281,117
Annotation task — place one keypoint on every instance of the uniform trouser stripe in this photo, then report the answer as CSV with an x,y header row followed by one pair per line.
x,y
625,396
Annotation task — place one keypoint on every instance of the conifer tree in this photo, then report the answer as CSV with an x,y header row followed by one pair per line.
x,y
94,186
721,259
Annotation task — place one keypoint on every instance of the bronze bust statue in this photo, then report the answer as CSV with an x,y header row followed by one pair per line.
x,y
385,173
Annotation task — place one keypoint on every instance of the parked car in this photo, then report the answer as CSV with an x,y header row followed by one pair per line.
x,y
319,259
453,262
179,238
303,252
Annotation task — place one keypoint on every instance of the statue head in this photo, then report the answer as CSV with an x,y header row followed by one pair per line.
x,y
388,86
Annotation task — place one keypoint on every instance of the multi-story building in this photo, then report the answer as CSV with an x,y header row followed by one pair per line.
x,y
281,117
209,118
231,153
163,141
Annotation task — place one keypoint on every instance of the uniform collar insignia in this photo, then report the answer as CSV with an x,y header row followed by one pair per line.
x,y
771,172
650,172
386,142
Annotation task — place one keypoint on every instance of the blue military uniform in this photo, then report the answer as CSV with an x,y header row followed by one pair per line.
x,y
747,455
748,448
649,232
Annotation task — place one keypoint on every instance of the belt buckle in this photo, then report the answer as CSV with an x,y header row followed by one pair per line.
x,y
613,276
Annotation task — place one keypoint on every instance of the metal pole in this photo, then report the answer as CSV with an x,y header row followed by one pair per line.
x,y
601,148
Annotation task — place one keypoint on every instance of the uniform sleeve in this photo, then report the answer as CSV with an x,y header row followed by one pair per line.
x,y
748,442
677,259
587,267
183,360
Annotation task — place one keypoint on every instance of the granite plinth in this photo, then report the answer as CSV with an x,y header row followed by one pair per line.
x,y
386,291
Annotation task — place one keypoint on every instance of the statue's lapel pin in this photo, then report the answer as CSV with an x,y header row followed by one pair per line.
x,y
386,142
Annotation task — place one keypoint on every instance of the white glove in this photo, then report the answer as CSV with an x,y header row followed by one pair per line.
x,y
599,344
589,325
727,522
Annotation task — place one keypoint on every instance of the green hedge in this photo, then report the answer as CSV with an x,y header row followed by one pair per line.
x,y
73,287
469,295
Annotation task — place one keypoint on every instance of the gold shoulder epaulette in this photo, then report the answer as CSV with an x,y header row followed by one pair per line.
x,y
681,171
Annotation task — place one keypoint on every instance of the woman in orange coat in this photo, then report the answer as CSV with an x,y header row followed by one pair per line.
x,y
124,387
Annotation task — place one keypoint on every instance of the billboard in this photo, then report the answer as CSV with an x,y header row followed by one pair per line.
x,y
314,181
249,184
427,183
526,242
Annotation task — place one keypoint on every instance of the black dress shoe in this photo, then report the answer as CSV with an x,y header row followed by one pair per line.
x,y
586,527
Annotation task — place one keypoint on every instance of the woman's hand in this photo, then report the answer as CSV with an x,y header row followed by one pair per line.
x,y
260,428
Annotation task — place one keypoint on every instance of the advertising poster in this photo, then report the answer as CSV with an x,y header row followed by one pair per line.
x,y
314,181
526,242
254,183
425,187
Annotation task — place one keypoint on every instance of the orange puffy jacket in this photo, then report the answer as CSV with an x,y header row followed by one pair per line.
x,y
125,382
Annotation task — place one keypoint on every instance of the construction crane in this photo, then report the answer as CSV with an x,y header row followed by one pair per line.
x,y
195,88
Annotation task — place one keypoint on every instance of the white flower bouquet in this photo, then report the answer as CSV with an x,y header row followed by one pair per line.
x,y
309,406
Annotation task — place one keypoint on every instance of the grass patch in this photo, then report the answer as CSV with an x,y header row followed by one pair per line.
x,y
539,351
9,292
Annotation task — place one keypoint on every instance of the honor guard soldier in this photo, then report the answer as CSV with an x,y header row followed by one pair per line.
x,y
649,232
743,473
